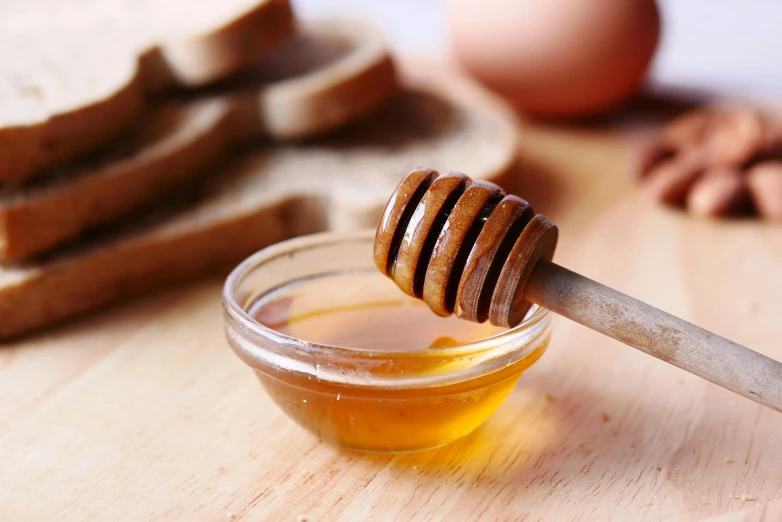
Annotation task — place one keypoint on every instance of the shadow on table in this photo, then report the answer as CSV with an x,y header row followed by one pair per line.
x,y
651,107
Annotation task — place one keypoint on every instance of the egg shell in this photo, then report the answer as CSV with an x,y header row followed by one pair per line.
x,y
556,57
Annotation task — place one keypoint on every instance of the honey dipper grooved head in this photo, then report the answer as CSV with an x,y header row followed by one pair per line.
x,y
462,246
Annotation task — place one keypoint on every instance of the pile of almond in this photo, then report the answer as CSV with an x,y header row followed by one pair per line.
x,y
718,161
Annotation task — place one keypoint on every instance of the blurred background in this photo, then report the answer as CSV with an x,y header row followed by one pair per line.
x,y
713,46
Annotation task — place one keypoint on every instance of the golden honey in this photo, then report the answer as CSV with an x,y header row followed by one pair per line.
x,y
397,377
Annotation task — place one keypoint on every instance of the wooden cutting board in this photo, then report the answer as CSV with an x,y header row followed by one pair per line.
x,y
142,412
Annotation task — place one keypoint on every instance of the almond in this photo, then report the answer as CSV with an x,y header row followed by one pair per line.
x,y
733,135
772,137
687,130
649,155
765,187
671,179
720,192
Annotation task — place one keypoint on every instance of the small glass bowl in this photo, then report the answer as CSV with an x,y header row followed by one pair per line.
x,y
361,399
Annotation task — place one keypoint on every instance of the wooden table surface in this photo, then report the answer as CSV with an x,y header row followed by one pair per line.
x,y
142,412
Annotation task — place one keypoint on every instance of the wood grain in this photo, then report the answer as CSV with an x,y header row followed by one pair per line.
x,y
143,413
659,334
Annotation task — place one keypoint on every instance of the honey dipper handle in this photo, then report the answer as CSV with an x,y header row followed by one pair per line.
x,y
657,333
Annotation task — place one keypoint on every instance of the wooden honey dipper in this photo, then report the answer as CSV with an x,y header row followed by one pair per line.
x,y
465,247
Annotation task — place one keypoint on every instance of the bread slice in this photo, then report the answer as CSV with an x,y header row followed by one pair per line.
x,y
329,74
262,197
73,76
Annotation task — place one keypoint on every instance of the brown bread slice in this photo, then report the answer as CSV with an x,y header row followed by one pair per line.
x,y
263,196
75,74
329,74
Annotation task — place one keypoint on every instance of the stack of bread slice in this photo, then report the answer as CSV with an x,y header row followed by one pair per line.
x,y
143,143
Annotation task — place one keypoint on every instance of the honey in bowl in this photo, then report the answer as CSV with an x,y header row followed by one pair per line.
x,y
361,365
365,312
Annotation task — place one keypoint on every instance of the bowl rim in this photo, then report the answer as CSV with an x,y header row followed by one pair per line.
x,y
285,248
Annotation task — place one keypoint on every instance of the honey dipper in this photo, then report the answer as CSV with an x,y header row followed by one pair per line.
x,y
465,247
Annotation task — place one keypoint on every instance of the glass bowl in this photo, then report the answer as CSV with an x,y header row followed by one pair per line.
x,y
357,394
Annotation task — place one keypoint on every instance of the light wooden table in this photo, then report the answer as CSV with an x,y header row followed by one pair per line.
x,y
143,413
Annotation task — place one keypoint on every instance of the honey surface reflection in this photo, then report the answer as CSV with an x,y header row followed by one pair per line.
x,y
364,311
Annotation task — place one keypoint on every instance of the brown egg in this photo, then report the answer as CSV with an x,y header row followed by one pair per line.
x,y
556,57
